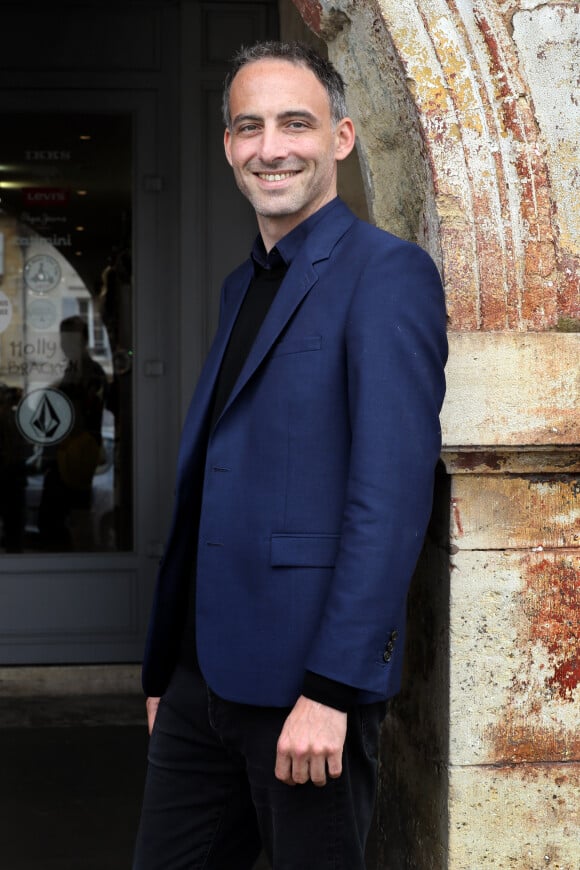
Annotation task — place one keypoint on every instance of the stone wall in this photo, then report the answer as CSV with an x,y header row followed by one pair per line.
x,y
469,136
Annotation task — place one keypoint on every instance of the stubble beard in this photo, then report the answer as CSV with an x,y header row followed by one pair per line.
x,y
284,203
268,205
272,203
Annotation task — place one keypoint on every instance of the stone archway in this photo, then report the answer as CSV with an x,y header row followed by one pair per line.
x,y
448,126
467,117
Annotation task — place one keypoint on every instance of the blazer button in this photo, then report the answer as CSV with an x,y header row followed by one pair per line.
x,y
387,655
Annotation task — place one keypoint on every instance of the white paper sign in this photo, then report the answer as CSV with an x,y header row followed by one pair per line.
x,y
5,311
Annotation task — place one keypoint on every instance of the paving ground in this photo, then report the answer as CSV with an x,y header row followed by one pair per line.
x,y
71,779
70,783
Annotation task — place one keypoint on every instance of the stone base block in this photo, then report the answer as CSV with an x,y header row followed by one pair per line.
x,y
524,817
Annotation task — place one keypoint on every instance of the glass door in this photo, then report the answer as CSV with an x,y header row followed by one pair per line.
x,y
76,564
66,391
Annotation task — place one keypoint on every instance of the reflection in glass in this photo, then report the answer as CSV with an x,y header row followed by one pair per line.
x,y
65,333
64,514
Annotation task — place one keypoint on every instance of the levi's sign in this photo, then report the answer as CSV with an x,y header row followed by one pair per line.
x,y
44,197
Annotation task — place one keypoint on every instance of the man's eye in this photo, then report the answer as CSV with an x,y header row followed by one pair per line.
x,y
297,125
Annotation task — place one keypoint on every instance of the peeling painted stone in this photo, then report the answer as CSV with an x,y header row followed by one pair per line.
x,y
464,74
525,818
500,511
553,590
514,632
548,41
512,389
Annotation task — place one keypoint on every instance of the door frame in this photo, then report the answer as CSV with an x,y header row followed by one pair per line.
x,y
93,607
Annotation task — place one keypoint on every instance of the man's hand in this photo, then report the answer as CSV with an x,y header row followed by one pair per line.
x,y
312,738
151,704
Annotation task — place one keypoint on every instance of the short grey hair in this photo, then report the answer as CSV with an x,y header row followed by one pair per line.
x,y
295,52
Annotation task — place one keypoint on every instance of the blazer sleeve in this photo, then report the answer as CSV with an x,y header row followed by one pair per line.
x,y
396,350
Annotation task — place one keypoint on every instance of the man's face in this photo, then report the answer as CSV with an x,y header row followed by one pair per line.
x,y
282,145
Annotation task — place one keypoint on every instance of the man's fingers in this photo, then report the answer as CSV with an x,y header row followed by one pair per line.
x,y
300,770
292,767
297,771
283,769
335,765
318,771
151,705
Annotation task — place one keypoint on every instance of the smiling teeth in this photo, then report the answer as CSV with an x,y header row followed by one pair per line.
x,y
275,176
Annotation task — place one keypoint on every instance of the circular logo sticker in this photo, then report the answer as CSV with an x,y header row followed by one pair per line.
x,y
45,416
5,311
42,273
41,314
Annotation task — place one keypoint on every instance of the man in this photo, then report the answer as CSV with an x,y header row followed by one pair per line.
x,y
304,489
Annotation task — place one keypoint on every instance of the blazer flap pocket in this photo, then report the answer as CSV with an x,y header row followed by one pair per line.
x,y
306,551
297,345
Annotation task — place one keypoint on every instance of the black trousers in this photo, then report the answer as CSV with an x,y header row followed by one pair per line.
x,y
212,801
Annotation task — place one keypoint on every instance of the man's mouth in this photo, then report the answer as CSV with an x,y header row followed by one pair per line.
x,y
276,176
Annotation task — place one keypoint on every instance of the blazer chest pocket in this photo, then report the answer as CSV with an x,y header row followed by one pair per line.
x,y
304,551
302,344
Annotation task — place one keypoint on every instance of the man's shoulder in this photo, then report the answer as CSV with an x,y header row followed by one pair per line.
x,y
382,237
375,244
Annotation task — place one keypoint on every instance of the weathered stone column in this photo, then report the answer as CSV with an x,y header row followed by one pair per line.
x,y
469,136
514,614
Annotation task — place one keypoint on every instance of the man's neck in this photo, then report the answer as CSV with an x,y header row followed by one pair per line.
x,y
272,229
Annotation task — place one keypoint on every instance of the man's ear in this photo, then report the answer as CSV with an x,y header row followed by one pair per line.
x,y
345,138
228,145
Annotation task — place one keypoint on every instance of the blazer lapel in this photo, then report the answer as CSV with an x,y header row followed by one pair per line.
x,y
297,283
199,406
292,291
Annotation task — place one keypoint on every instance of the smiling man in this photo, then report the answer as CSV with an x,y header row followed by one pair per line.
x,y
304,490
283,144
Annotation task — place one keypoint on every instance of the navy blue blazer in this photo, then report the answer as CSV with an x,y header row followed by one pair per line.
x,y
317,480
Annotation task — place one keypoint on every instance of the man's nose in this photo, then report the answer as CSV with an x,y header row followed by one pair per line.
x,y
273,146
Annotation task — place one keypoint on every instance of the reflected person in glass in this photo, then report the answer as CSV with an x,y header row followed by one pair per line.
x,y
64,513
